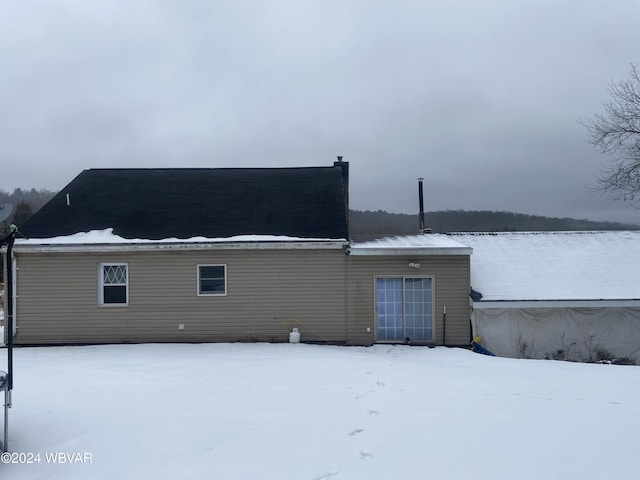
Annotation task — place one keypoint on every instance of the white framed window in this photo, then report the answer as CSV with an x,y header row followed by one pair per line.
x,y
212,280
114,284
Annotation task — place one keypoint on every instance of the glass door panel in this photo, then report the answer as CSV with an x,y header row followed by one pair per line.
x,y
404,309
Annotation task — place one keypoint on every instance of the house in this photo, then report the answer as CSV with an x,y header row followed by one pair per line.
x,y
221,255
558,295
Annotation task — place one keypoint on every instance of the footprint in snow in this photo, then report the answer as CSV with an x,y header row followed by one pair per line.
x,y
356,432
374,413
380,383
365,455
326,475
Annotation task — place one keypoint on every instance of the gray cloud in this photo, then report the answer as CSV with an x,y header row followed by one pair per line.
x,y
479,97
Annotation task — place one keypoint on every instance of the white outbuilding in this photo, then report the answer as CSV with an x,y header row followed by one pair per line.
x,y
557,295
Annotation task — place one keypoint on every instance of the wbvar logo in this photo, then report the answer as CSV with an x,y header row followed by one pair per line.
x,y
68,457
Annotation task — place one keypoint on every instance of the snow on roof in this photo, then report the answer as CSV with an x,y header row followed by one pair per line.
x,y
555,265
427,244
107,236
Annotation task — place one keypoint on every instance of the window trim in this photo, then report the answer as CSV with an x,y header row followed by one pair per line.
x,y
101,284
198,286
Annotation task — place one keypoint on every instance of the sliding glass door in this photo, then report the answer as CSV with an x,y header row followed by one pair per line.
x,y
404,309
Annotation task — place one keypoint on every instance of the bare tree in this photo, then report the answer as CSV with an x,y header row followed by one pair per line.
x,y
617,133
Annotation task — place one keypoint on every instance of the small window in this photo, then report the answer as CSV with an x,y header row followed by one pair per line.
x,y
114,284
212,279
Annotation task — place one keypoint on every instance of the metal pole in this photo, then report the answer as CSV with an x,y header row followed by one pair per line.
x,y
421,205
8,382
11,240
5,444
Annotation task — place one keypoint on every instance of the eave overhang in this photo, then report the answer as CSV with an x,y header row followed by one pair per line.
x,y
415,252
578,303
182,246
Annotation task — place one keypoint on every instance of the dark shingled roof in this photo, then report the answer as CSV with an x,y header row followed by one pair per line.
x,y
192,202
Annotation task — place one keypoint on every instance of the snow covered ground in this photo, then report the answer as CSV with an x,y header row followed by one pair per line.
x,y
279,411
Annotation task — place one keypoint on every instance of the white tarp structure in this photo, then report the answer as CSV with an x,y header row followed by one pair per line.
x,y
560,295
582,334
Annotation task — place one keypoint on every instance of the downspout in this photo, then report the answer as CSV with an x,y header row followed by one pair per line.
x,y
10,240
345,290
444,326
8,386
14,287
344,169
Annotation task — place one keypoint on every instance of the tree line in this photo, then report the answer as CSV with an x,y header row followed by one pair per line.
x,y
374,224
25,203
366,225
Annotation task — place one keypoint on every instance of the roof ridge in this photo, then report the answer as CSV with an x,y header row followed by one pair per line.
x,y
542,232
102,169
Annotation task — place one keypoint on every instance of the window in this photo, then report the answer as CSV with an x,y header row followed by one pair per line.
x,y
212,279
114,284
404,309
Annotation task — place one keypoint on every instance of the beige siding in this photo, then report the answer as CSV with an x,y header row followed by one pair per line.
x,y
451,288
327,295
268,293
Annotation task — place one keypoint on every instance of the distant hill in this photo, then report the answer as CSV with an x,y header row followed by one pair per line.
x,y
369,225
366,225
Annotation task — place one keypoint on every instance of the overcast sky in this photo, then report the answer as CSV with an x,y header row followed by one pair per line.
x,y
481,98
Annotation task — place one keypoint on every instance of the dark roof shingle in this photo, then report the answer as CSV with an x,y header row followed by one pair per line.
x,y
190,202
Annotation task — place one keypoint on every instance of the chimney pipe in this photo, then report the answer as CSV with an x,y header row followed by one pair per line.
x,y
344,167
423,226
